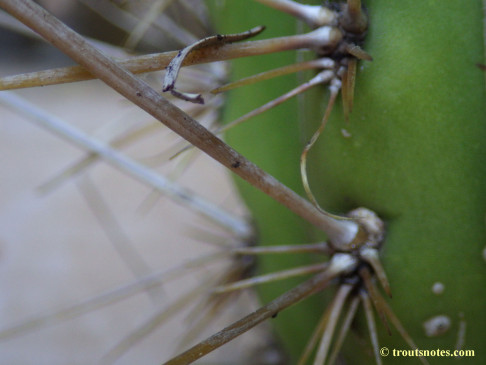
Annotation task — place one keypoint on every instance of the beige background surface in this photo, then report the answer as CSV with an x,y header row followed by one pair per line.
x,y
55,253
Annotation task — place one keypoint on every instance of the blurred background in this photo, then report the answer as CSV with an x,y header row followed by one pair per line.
x,y
66,239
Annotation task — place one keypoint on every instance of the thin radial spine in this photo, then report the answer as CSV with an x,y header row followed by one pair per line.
x,y
314,15
376,299
346,325
371,256
262,279
321,78
284,70
336,307
322,247
371,325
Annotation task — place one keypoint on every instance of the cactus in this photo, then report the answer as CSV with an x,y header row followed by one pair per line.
x,y
412,151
